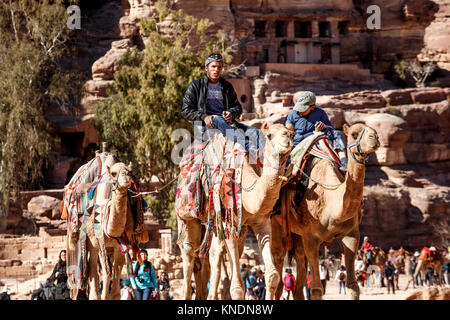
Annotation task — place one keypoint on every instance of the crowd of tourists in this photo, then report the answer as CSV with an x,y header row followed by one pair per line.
x,y
144,284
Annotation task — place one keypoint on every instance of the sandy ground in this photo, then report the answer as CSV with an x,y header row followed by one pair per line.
x,y
21,290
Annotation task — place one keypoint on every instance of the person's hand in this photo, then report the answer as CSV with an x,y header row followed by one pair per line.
x,y
134,288
227,116
56,274
208,121
319,125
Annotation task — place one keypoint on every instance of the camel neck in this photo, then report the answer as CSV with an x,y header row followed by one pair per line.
x,y
267,187
354,178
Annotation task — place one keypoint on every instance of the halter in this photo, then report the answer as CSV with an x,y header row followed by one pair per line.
x,y
115,182
357,144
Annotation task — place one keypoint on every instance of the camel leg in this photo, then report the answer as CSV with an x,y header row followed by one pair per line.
x,y
263,235
300,259
103,257
200,286
350,243
215,258
188,246
311,246
278,254
92,271
118,263
237,286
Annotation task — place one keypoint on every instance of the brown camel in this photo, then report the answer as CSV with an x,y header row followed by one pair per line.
x,y
260,191
120,219
329,210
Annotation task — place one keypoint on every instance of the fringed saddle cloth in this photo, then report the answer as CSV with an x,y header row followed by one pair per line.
x,y
89,192
315,145
210,174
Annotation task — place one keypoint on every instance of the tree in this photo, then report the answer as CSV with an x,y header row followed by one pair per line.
x,y
416,70
33,37
144,106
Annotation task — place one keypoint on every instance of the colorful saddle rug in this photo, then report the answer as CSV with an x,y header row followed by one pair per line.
x,y
310,146
210,174
89,192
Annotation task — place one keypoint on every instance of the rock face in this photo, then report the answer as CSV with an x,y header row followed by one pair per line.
x,y
45,206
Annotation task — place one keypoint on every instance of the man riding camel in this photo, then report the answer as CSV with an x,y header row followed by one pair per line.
x,y
211,102
306,118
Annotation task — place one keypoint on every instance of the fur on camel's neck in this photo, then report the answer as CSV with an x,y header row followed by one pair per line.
x,y
351,191
118,213
266,191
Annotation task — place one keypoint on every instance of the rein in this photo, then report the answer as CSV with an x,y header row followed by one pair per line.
x,y
357,144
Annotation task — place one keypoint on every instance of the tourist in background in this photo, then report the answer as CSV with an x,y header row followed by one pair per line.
x,y
38,293
244,276
143,280
250,285
260,288
62,292
164,287
5,294
127,292
289,283
323,273
308,285
389,273
341,276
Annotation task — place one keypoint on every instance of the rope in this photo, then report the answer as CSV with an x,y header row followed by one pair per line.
x,y
326,186
137,194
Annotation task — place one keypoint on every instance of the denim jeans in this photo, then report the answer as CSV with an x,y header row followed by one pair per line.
x,y
342,285
336,139
248,137
143,294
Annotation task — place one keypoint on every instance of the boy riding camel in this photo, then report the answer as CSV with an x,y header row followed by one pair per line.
x,y
306,118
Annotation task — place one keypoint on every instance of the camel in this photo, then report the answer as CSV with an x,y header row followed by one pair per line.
x,y
430,258
328,212
260,191
120,219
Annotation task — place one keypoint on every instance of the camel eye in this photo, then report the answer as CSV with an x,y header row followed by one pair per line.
x,y
114,174
355,135
269,136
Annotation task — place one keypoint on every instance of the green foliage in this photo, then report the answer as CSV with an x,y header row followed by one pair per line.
x,y
144,106
33,36
401,69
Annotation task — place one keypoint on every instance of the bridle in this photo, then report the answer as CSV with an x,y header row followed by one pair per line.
x,y
115,181
357,144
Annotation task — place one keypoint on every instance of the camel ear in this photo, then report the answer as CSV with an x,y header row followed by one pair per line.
x,y
345,128
108,169
130,167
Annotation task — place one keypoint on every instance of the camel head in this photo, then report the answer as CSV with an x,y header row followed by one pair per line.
x,y
279,139
121,176
361,140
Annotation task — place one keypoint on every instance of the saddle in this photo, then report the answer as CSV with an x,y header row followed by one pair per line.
x,y
211,174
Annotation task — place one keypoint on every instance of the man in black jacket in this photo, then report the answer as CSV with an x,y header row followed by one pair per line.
x,y
212,102
389,272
